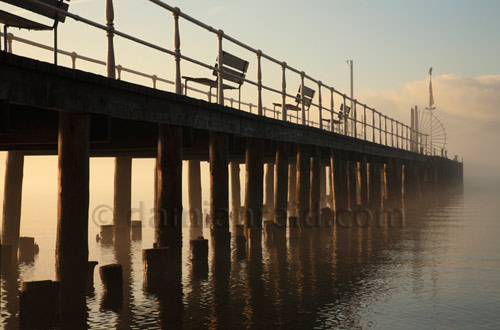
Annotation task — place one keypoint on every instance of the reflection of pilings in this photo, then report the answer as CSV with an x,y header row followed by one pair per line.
x,y
221,268
314,192
122,196
39,305
194,192
72,222
235,192
281,185
12,198
169,199
10,293
339,168
269,190
123,253
363,179
254,172
292,190
303,183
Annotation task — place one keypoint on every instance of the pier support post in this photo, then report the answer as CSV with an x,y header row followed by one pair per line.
x,y
195,205
269,190
12,199
363,179
322,190
122,198
292,189
219,191
353,182
72,216
235,192
303,183
315,183
281,185
169,189
254,161
375,184
339,169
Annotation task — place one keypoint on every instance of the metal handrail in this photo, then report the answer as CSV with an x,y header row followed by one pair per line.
x,y
347,121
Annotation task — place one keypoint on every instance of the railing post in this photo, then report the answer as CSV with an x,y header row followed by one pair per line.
x,y
344,117
332,111
379,128
220,82
303,107
373,125
119,71
154,78
10,38
392,132
177,49
354,119
110,17
73,60
397,134
364,121
320,106
259,83
385,129
283,91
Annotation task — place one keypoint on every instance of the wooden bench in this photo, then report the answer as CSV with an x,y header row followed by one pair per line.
x,y
234,71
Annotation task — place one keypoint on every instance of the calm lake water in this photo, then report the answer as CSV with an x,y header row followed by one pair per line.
x,y
440,270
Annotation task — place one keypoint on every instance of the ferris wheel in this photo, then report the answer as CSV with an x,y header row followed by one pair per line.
x,y
433,132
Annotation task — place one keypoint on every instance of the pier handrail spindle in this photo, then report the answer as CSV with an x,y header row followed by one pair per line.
x,y
220,80
259,83
332,111
303,106
344,117
320,107
283,91
177,49
373,125
110,17
364,121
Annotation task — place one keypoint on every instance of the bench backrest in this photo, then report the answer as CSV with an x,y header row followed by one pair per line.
x,y
47,12
346,109
308,96
234,68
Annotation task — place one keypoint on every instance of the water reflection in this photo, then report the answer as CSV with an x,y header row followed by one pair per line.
x,y
349,277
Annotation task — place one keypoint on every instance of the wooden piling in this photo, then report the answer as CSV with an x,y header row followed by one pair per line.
x,y
292,189
122,197
363,179
169,200
195,199
374,185
314,192
340,182
254,158
12,199
322,187
136,230
235,192
303,183
281,184
219,191
72,215
269,189
353,182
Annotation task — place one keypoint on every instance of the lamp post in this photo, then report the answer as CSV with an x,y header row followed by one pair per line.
x,y
350,63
